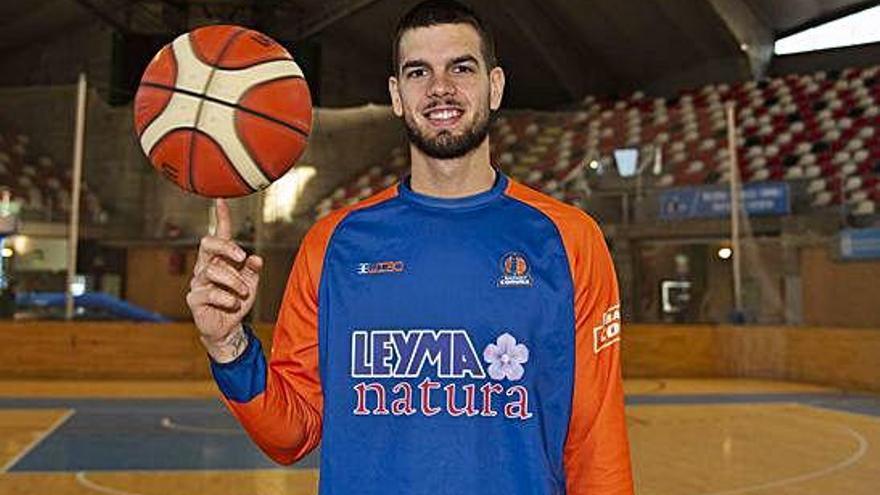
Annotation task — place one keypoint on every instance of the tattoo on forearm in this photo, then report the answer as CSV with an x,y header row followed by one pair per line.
x,y
233,346
238,342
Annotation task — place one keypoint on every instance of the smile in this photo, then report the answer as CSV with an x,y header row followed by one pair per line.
x,y
444,117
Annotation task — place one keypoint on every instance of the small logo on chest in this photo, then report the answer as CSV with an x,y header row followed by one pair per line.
x,y
514,271
380,267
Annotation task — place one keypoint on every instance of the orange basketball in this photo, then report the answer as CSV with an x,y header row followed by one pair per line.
x,y
223,111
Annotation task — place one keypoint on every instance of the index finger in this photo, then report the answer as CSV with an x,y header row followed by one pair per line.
x,y
224,222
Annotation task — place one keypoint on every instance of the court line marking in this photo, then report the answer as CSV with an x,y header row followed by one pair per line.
x,y
37,440
637,420
169,423
657,386
91,485
85,482
852,459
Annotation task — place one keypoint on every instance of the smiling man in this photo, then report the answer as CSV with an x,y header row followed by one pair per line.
x,y
457,333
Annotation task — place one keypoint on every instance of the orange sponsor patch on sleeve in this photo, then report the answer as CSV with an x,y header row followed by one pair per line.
x,y
608,333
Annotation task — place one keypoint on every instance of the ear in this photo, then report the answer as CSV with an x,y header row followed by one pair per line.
x,y
496,87
394,92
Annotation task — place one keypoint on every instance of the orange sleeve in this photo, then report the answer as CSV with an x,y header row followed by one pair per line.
x,y
285,419
596,453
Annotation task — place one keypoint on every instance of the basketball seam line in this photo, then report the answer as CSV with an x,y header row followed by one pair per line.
x,y
192,142
200,56
236,105
249,151
238,174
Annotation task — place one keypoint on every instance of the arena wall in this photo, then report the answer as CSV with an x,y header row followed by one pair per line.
x,y
839,357
97,350
837,292
158,278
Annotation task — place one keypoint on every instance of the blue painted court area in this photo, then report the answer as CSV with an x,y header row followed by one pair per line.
x,y
200,434
143,434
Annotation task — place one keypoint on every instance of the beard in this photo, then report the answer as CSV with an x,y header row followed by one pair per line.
x,y
446,145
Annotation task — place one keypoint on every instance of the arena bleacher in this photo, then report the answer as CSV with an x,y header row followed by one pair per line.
x,y
40,184
818,128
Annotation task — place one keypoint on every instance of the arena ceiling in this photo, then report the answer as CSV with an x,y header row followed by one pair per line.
x,y
555,51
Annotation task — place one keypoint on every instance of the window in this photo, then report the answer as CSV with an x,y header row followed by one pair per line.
x,y
856,29
282,196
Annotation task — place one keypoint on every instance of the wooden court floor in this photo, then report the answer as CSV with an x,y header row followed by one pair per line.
x,y
689,437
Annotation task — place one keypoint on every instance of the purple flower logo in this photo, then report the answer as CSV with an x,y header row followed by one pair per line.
x,y
506,358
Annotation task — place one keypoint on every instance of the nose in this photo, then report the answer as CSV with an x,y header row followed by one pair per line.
x,y
441,85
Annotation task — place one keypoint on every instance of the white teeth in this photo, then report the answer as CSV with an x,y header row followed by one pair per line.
x,y
444,114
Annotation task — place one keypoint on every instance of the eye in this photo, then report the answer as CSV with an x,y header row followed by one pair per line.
x,y
462,69
415,73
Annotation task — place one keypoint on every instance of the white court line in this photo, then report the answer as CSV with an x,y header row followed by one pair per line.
x,y
849,461
91,485
39,438
171,425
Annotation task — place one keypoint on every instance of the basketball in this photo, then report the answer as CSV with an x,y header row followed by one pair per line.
x,y
223,111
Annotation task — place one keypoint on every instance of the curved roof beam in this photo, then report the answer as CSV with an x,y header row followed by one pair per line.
x,y
754,37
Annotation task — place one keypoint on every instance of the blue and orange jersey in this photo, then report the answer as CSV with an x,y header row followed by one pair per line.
x,y
432,345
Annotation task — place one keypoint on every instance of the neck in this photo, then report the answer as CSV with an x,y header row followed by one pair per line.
x,y
455,178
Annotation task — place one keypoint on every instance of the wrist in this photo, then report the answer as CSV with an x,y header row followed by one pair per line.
x,y
229,348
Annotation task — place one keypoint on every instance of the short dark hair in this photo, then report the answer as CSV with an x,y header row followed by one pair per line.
x,y
435,12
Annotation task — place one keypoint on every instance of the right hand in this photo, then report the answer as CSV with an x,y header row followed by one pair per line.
x,y
223,289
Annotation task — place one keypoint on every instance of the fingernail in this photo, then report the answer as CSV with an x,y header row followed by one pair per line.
x,y
240,255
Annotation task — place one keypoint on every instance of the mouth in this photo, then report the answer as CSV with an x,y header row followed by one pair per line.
x,y
444,116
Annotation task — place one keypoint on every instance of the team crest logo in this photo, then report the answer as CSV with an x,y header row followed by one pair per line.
x,y
515,271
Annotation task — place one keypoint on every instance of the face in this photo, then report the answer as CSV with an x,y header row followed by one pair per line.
x,y
444,91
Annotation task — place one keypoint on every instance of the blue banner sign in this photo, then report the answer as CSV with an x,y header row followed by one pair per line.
x,y
762,198
860,244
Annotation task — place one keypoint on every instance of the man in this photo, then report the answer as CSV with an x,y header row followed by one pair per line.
x,y
456,333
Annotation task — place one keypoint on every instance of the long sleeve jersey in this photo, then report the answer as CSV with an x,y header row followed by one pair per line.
x,y
445,346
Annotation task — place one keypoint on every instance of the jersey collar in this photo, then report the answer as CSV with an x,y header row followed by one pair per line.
x,y
406,192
